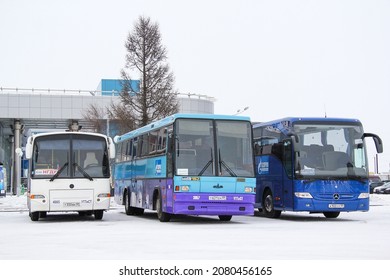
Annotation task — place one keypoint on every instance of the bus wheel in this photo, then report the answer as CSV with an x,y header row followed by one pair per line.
x,y
331,215
268,206
98,214
42,214
225,218
34,216
129,210
162,216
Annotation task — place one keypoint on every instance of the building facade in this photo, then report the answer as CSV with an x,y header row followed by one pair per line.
x,y
23,111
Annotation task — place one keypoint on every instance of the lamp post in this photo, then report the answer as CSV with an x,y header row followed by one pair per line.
x,y
239,111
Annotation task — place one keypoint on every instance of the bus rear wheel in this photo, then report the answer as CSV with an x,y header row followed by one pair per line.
x,y
268,206
225,218
162,216
331,215
128,209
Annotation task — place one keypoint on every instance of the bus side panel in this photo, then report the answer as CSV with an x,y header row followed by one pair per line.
x,y
119,181
2,181
268,176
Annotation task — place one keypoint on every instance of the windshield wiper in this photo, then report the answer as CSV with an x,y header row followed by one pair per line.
x,y
82,170
55,176
207,164
222,163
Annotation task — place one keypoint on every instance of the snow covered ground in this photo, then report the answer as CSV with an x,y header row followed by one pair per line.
x,y
295,236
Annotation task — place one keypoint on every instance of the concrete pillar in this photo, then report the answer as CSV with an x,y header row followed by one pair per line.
x,y
17,158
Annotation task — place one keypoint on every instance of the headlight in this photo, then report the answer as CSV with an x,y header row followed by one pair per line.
x,y
37,196
303,195
364,195
248,189
104,195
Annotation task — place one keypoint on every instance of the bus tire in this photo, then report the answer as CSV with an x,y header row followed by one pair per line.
x,y
268,206
128,209
331,215
98,214
34,216
43,214
162,216
225,218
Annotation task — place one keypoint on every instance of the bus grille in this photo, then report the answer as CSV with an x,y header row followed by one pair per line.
x,y
336,196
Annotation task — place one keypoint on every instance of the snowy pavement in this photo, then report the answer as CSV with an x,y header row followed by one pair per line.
x,y
295,236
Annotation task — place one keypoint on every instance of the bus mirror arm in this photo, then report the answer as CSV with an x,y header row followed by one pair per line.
x,y
294,140
377,140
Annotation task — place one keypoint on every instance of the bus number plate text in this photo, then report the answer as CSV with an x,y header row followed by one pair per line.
x,y
336,206
217,197
71,204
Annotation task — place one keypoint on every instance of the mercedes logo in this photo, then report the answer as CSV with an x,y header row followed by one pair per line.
x,y
336,196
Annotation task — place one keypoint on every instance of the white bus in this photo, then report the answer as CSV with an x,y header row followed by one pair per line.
x,y
68,171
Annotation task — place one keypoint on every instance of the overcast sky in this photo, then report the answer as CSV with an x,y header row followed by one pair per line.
x,y
280,58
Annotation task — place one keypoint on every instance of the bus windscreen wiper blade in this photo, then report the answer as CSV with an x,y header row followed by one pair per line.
x,y
82,170
228,169
207,164
55,176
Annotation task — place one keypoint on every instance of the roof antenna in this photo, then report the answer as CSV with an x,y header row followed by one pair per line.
x,y
325,110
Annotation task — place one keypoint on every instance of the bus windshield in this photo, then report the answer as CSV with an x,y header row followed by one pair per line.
x,y
213,148
330,151
70,156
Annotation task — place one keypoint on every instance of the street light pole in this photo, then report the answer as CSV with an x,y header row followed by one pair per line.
x,y
239,111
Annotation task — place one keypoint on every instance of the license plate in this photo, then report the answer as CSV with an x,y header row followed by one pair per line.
x,y
217,197
71,204
336,206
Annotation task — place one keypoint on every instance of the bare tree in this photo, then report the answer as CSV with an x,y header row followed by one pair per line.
x,y
146,56
150,95
95,116
121,117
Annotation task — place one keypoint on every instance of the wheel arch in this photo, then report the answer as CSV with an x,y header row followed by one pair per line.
x,y
156,193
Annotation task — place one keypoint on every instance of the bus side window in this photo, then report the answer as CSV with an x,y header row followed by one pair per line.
x,y
256,149
287,157
135,147
277,150
118,152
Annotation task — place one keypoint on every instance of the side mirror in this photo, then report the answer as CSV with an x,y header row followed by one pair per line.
x,y
29,148
111,148
171,143
377,140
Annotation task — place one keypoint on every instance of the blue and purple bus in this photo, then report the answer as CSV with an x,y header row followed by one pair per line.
x,y
3,181
317,165
188,164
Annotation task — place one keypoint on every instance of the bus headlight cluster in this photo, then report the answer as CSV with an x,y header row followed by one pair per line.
x,y
249,189
364,195
182,188
104,195
303,195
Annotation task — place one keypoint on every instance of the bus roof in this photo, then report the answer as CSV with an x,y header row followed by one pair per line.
x,y
307,119
67,133
171,119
